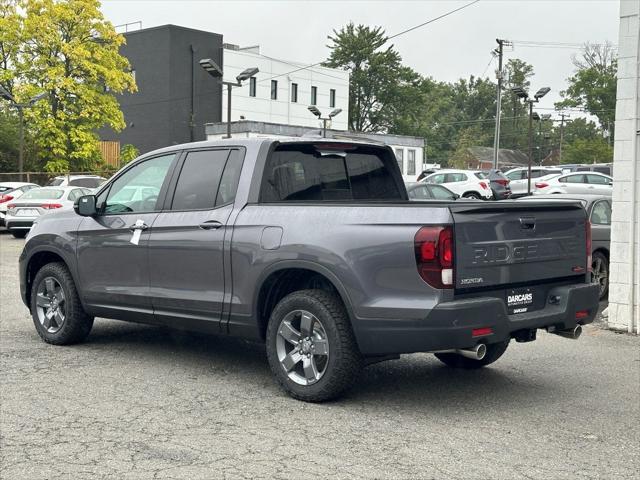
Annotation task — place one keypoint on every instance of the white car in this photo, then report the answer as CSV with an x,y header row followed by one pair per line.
x,y
86,181
519,178
466,183
39,201
10,191
576,182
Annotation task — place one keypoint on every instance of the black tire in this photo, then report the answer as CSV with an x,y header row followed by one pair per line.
x,y
472,195
600,261
494,352
344,361
19,233
77,324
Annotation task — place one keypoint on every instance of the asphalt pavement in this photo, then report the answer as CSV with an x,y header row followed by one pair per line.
x,y
143,402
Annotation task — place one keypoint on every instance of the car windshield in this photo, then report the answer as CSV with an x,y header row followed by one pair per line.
x,y
43,194
55,182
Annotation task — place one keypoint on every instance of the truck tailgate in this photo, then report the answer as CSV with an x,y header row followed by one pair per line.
x,y
511,243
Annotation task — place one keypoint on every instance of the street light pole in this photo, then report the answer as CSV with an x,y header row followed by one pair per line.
x,y
21,148
229,86
313,109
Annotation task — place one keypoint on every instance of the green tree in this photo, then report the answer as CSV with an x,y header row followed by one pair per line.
x,y
379,87
68,50
593,86
588,150
128,152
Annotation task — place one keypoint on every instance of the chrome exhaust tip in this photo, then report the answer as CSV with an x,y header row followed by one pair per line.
x,y
572,333
476,353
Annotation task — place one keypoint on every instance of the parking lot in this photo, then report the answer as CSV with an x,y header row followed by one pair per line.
x,y
141,402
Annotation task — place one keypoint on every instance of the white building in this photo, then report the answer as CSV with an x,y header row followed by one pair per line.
x,y
282,91
624,287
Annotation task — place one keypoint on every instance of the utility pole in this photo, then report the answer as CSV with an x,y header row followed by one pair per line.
x,y
496,137
562,117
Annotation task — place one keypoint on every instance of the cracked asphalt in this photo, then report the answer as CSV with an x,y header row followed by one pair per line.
x,y
142,402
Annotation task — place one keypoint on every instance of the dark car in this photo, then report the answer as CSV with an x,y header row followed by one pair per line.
x,y
499,184
599,209
429,191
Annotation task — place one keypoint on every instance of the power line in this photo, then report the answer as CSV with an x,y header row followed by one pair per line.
x,y
446,14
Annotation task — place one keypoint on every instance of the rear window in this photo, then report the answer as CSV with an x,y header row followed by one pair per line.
x,y
92,182
55,182
306,172
480,175
5,189
43,194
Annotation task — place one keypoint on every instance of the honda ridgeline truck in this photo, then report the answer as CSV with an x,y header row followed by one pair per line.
x,y
311,246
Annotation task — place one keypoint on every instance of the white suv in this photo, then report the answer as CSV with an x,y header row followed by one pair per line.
x,y
466,183
86,181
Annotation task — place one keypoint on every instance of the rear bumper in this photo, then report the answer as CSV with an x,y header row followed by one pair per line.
x,y
449,325
19,223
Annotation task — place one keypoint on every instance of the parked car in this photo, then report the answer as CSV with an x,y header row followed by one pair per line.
x,y
38,201
10,191
519,178
499,184
606,168
466,183
87,181
312,246
592,182
427,191
598,209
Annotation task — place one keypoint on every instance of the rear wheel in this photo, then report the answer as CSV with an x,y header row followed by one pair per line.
x,y
55,307
494,352
472,195
600,273
19,233
310,346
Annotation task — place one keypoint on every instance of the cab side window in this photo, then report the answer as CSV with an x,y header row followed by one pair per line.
x,y
137,189
601,213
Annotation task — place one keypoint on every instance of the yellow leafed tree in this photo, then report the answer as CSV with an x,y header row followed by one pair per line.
x,y
67,50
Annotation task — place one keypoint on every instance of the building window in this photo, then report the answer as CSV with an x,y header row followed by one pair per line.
x,y
252,86
411,162
314,95
274,89
399,158
332,98
294,93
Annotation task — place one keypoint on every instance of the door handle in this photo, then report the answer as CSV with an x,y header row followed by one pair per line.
x,y
210,225
137,226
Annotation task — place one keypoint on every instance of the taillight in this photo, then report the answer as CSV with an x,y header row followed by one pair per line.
x,y
50,206
434,249
502,181
587,234
541,185
5,198
484,185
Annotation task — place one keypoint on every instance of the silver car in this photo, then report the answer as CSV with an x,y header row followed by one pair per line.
x,y
598,208
11,191
38,201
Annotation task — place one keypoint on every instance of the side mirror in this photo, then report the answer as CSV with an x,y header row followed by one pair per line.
x,y
86,206
456,196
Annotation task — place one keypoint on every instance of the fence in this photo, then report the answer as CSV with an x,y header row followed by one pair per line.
x,y
42,178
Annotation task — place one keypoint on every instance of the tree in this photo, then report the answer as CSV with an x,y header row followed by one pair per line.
x,y
593,86
69,51
128,152
379,86
590,150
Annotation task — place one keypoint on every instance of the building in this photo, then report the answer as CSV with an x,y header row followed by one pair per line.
x,y
175,96
624,287
409,151
282,90
481,158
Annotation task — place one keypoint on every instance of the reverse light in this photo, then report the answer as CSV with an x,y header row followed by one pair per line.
x,y
587,235
5,198
50,206
434,251
541,185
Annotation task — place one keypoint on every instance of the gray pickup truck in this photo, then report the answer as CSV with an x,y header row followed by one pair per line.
x,y
311,246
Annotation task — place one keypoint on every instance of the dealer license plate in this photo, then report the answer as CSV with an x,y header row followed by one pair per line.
x,y
519,300
27,213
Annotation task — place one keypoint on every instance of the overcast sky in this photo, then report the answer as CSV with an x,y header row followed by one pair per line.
x,y
456,46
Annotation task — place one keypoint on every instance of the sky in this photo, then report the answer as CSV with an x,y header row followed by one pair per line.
x,y
456,46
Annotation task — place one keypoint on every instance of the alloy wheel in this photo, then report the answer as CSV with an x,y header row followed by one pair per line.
x,y
302,347
50,304
599,274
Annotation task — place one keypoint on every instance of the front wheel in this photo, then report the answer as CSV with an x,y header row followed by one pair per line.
x,y
311,348
55,307
494,352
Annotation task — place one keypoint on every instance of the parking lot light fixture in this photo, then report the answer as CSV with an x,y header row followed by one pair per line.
x,y
335,112
316,111
247,74
211,67
541,93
